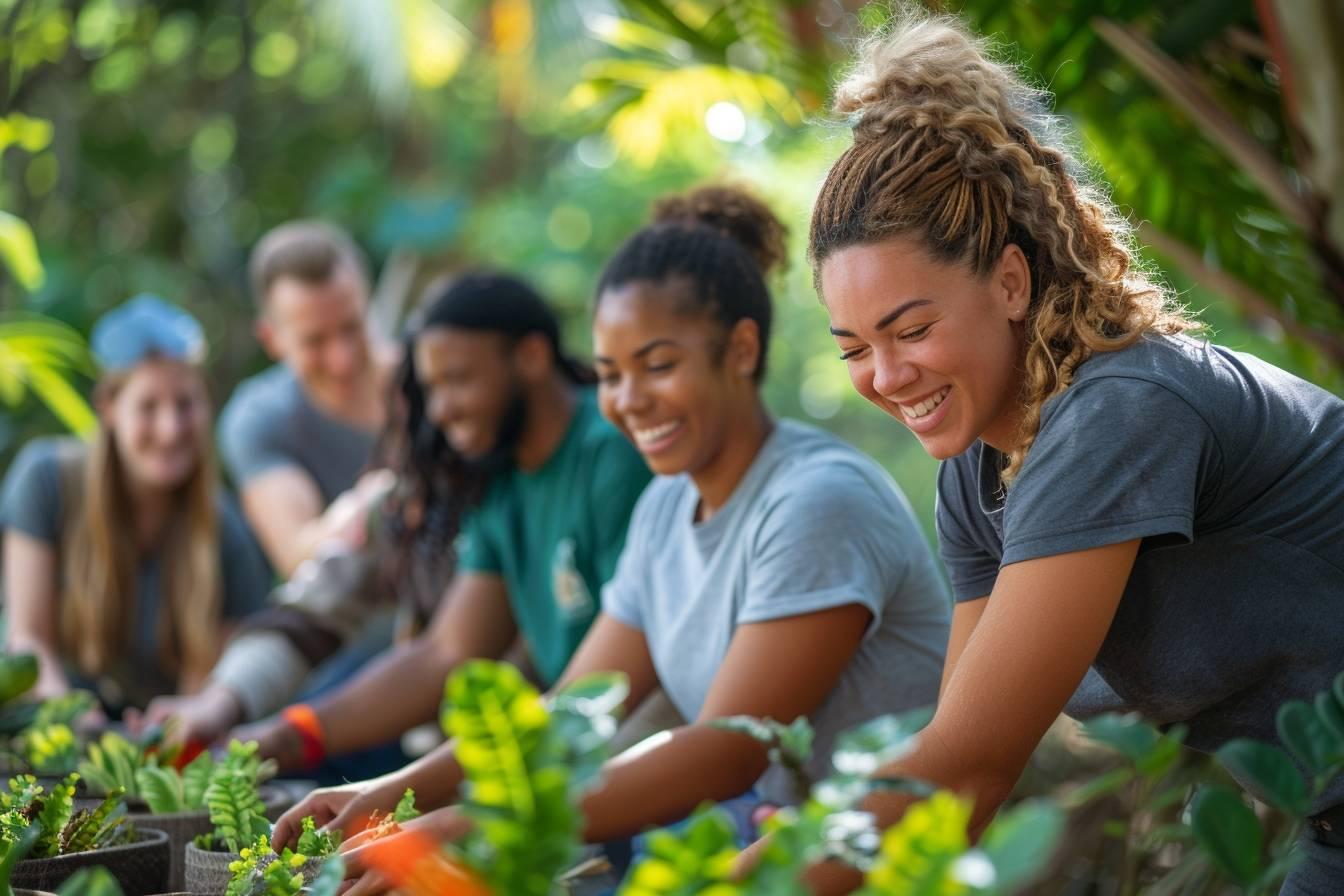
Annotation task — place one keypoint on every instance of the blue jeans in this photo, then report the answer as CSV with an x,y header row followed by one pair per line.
x,y
331,676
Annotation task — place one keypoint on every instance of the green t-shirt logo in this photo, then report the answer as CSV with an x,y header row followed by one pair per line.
x,y
570,590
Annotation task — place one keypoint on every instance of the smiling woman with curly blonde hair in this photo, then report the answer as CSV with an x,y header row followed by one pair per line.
x,y
1116,493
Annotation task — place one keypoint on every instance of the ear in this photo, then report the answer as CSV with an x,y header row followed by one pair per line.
x,y
1011,282
743,353
533,358
265,332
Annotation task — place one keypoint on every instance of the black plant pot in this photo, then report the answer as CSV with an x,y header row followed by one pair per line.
x,y
141,868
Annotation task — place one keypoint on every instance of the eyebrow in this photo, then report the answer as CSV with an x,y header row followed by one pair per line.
x,y
887,319
643,350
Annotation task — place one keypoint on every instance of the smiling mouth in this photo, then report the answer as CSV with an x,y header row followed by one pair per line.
x,y
925,407
654,434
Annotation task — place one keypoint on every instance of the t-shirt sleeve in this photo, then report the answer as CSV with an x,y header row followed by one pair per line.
x,y
967,550
619,478
247,575
1116,459
475,551
31,497
825,541
622,594
249,442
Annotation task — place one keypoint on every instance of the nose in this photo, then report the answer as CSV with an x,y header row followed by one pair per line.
x,y
437,407
630,397
343,357
171,425
892,374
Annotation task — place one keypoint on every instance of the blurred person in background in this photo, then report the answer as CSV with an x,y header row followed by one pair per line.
x,y
298,435
550,486
123,556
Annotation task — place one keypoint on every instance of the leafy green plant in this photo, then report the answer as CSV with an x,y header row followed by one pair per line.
x,y
526,767
166,790
90,882
320,844
928,852
62,829
50,749
236,809
110,764
12,852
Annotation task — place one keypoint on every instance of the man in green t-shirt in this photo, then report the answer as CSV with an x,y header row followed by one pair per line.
x,y
554,485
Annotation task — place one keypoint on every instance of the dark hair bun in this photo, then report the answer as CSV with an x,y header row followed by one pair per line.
x,y
733,212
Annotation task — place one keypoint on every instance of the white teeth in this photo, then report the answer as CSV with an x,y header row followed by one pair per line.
x,y
653,434
925,407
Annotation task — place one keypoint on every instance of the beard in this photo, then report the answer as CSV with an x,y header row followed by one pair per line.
x,y
512,424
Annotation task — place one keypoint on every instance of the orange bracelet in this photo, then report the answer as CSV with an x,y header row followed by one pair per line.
x,y
304,720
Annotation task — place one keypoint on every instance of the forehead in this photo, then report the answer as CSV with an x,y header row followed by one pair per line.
x,y
858,280
439,348
296,303
160,375
640,310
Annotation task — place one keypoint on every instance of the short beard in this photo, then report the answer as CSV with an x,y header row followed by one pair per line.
x,y
510,432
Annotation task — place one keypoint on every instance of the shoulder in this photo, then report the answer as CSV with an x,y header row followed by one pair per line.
x,y
273,391
36,471
816,477
1169,368
31,496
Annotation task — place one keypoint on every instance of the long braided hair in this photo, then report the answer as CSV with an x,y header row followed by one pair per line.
x,y
954,150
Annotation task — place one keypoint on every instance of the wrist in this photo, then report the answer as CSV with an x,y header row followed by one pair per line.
x,y
304,721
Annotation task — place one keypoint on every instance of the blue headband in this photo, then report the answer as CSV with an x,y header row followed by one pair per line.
x,y
143,327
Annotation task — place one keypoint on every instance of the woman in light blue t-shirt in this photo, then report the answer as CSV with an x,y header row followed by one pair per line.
x,y
770,569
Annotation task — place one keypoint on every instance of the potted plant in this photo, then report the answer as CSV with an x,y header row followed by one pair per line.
x,y
70,838
237,817
159,795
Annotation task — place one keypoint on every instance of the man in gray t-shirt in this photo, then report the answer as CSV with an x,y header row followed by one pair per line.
x,y
295,437
1230,472
813,525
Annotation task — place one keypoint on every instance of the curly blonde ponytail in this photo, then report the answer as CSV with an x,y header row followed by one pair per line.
x,y
952,149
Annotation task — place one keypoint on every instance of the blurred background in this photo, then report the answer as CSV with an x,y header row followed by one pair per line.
x,y
146,146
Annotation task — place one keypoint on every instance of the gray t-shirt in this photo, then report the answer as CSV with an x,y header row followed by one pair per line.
x,y
31,503
813,525
269,422
1231,471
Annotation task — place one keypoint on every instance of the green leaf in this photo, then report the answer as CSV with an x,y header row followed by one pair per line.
x,y
90,882
18,674
1228,831
598,692
18,249
1268,773
1127,734
329,879
868,747
161,789
195,779
1331,713
1307,737
405,810
1021,842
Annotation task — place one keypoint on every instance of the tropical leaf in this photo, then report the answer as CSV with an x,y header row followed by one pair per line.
x,y
161,789
18,250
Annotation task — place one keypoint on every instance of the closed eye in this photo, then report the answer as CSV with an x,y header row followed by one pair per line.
x,y
915,334
850,354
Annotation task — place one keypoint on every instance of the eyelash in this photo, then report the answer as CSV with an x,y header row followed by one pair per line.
x,y
913,336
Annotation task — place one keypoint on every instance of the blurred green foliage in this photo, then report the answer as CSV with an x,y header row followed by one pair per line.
x,y
148,145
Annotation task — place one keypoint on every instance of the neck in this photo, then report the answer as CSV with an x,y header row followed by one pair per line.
x,y
153,506
550,408
719,479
